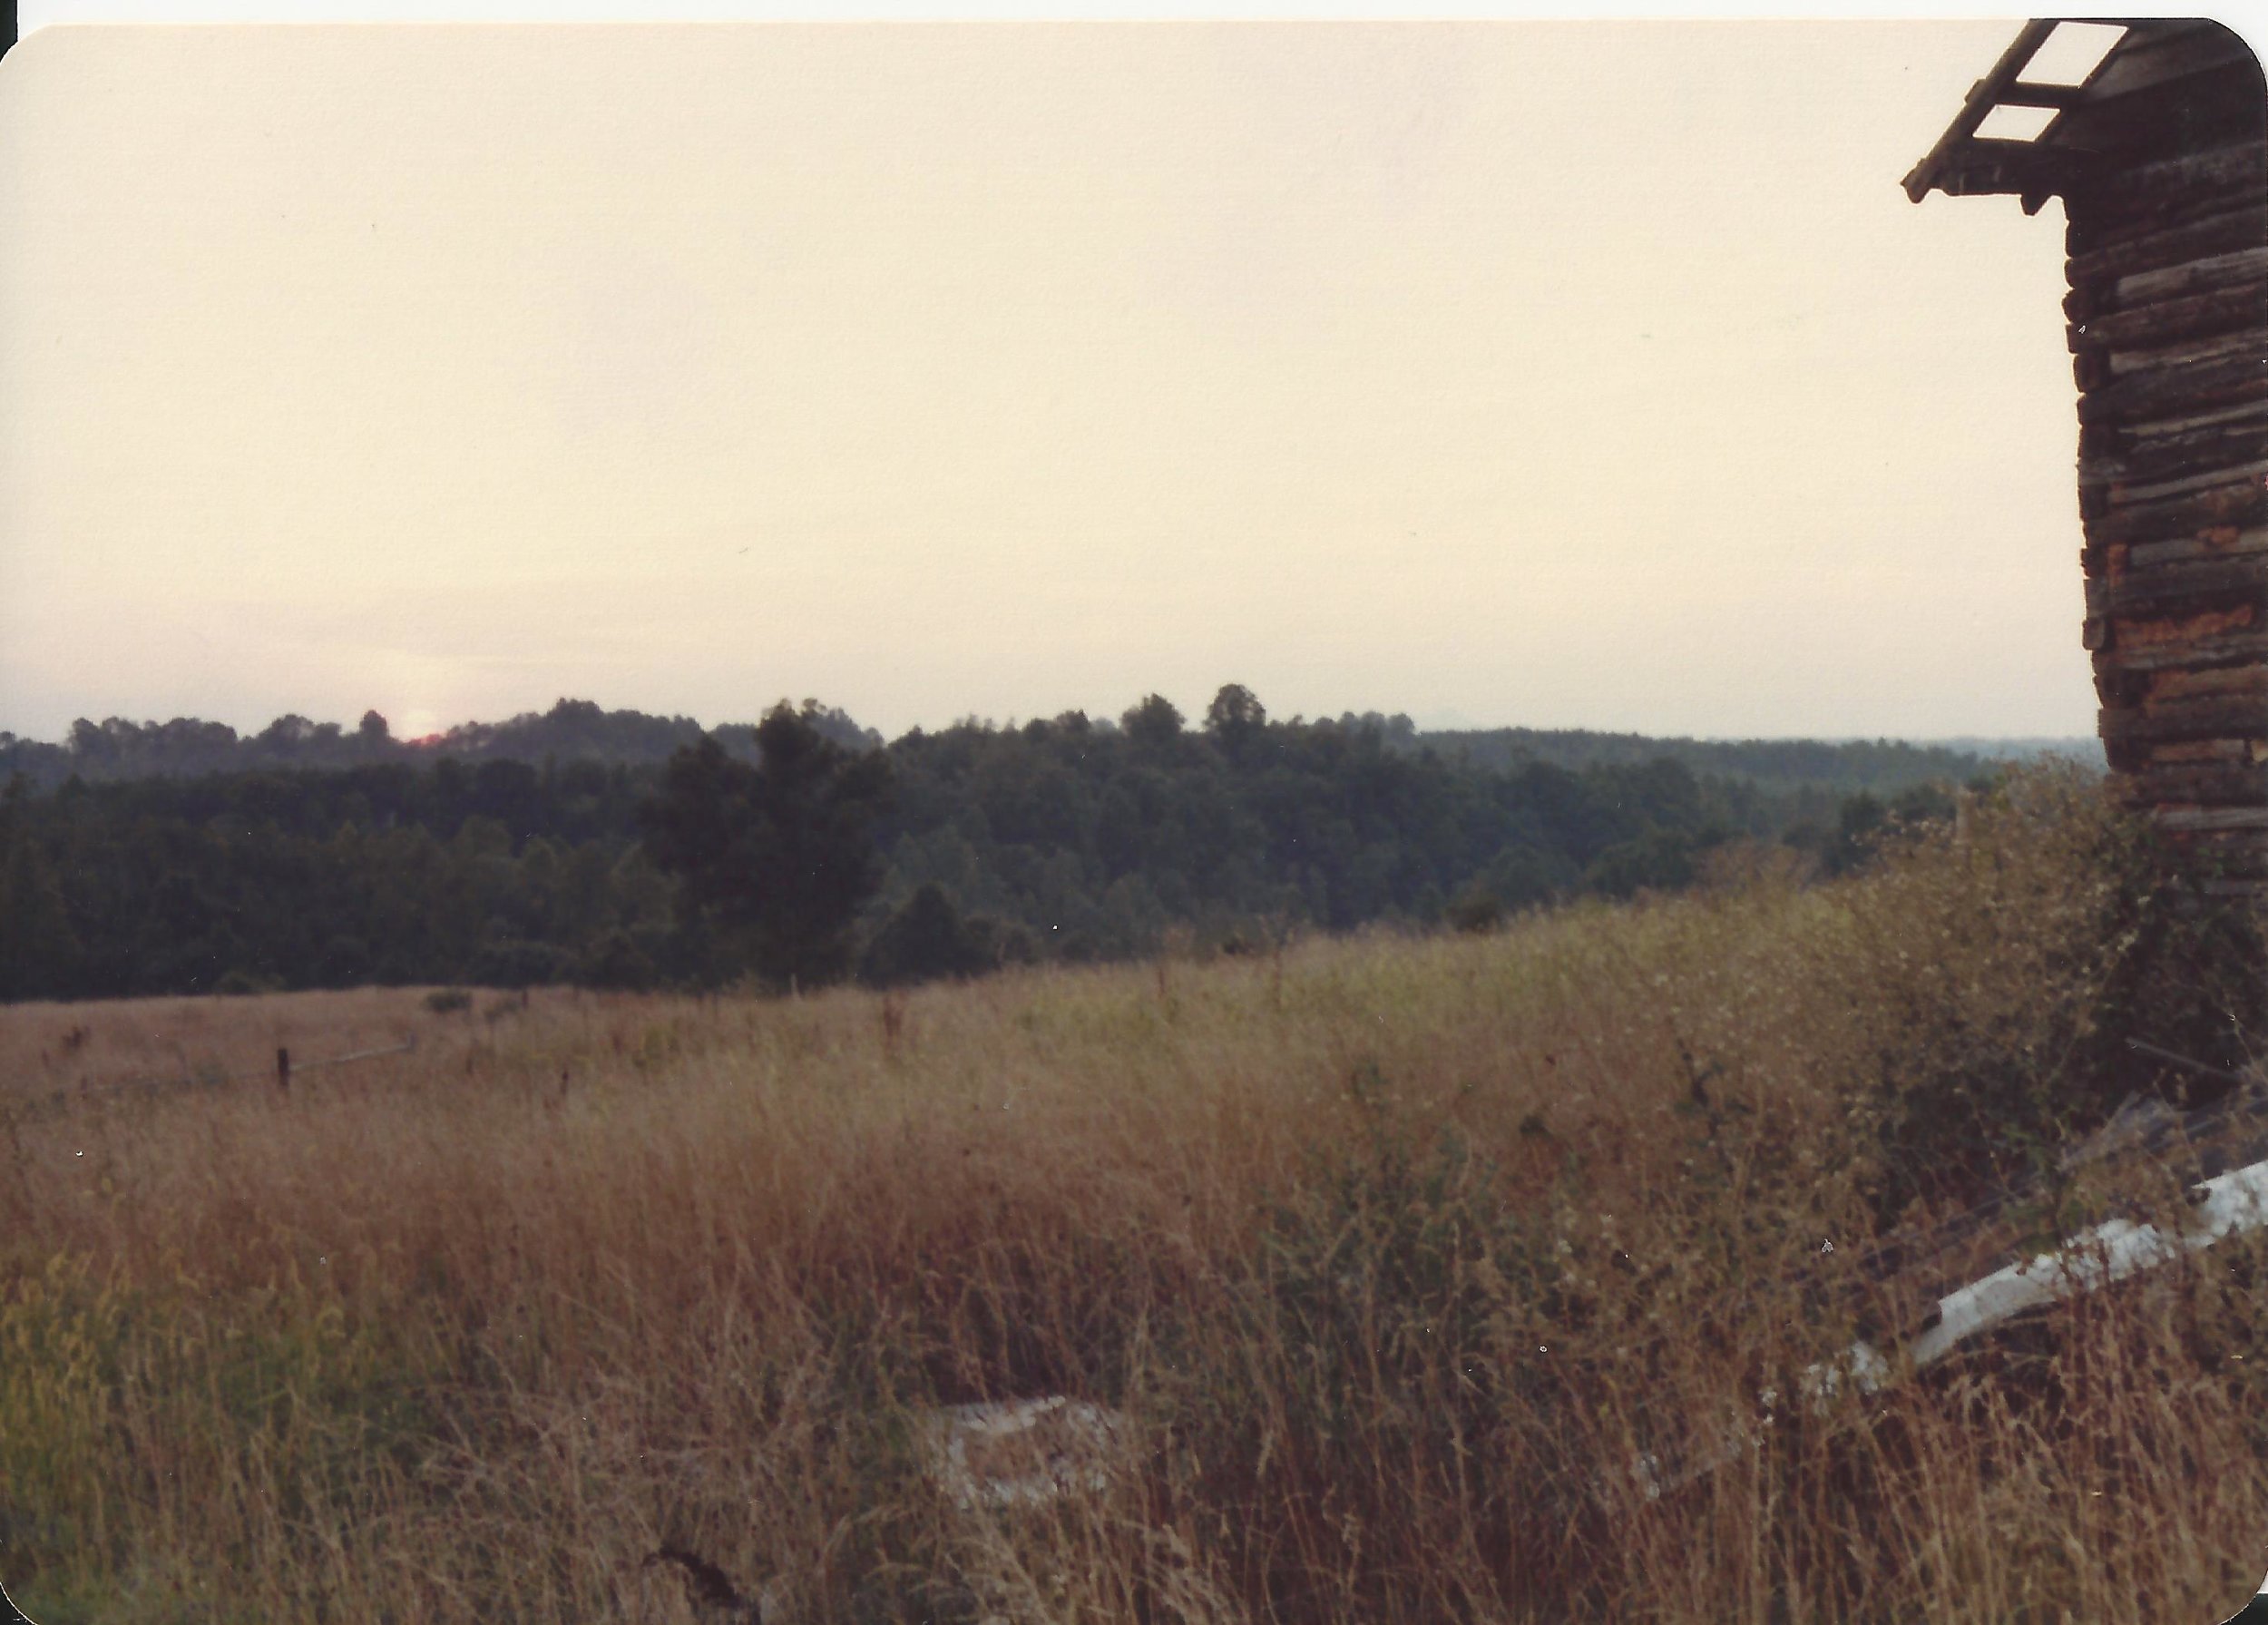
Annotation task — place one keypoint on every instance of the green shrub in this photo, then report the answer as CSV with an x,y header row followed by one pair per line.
x,y
2003,974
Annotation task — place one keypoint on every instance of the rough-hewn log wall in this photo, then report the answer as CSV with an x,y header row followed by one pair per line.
x,y
2168,314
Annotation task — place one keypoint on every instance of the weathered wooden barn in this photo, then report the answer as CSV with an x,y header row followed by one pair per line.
x,y
2159,151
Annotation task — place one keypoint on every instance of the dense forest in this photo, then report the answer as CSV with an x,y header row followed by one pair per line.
x,y
615,849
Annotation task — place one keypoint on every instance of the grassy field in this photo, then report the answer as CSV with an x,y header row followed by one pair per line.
x,y
1396,1251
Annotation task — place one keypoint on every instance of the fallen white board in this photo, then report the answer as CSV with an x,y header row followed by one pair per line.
x,y
2229,1204
2224,1205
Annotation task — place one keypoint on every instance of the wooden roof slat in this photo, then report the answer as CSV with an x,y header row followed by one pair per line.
x,y
1981,101
2024,94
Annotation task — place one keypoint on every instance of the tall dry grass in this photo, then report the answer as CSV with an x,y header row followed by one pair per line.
x,y
1396,1252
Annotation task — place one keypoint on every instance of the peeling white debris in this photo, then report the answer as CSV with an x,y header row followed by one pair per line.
x,y
1023,1451
1862,1366
2226,1205
1731,1439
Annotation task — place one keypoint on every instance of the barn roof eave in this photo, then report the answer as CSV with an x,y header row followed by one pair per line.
x,y
2098,115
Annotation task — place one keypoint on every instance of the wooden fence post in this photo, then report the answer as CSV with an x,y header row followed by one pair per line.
x,y
283,1069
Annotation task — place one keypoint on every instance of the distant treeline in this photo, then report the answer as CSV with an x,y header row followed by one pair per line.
x,y
313,858
580,730
1852,765
571,730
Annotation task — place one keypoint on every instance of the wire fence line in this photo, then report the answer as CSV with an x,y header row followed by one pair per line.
x,y
286,1068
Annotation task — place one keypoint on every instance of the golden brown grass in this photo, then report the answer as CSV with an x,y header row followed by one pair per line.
x,y
1395,1250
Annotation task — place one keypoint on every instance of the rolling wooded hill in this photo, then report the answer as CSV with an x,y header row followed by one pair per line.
x,y
179,857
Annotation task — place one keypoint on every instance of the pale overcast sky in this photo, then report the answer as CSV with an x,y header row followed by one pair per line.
x,y
1576,374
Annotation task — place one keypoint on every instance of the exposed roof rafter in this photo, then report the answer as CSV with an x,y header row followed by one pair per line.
x,y
2108,110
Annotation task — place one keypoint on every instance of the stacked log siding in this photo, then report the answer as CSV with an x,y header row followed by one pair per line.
x,y
2168,327
2161,158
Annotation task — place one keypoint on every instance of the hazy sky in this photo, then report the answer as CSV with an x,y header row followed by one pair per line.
x,y
1563,374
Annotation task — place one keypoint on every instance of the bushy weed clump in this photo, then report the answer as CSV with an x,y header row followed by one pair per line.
x,y
2003,976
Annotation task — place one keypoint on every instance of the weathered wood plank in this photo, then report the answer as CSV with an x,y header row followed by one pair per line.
x,y
2145,644
2181,550
2171,593
2193,683
2172,321
2092,367
2239,752
2120,498
2221,446
2238,502
2177,391
2215,235
2244,341
2242,716
2207,786
2125,494
2243,579
2143,433
2149,436
2194,276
